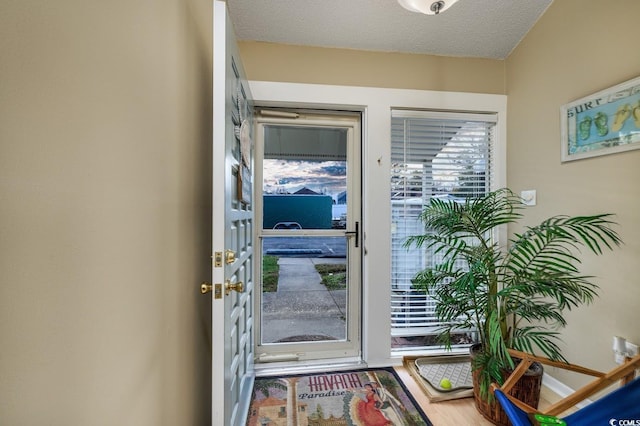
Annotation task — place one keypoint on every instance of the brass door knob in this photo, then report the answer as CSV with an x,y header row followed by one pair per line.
x,y
206,288
239,287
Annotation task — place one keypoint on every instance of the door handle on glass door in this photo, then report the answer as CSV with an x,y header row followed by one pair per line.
x,y
355,233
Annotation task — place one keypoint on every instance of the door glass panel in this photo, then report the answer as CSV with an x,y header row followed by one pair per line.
x,y
304,178
304,277
304,289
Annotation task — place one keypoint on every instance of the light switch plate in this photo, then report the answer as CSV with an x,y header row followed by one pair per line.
x,y
528,197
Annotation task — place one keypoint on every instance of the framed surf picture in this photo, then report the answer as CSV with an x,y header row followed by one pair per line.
x,y
605,122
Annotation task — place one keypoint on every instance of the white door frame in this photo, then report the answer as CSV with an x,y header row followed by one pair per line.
x,y
376,105
350,349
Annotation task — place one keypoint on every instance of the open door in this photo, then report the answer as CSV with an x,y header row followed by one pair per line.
x,y
232,251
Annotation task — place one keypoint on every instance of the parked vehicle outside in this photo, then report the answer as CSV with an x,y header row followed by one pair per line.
x,y
287,225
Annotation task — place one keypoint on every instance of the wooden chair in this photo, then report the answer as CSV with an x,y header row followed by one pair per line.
x,y
623,403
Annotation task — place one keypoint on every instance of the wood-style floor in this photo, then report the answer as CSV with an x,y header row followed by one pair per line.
x,y
456,412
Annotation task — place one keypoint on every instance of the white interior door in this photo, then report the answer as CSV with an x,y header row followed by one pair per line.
x,y
232,273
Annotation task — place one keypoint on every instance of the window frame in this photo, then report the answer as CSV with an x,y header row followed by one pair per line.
x,y
426,146
376,105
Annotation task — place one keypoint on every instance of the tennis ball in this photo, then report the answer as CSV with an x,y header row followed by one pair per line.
x,y
445,383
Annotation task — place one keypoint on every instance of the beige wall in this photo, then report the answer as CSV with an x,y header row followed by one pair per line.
x,y
343,67
577,48
105,134
104,190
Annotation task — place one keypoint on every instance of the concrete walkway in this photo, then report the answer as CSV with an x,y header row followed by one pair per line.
x,y
303,309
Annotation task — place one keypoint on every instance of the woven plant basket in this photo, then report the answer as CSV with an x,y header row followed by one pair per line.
x,y
527,390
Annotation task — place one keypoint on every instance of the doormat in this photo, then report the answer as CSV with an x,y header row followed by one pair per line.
x,y
428,372
372,397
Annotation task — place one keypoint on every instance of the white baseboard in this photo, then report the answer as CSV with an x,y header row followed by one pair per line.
x,y
561,389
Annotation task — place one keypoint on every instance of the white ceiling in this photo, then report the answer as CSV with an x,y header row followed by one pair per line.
x,y
470,28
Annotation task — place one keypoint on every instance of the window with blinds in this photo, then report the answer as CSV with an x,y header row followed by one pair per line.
x,y
433,155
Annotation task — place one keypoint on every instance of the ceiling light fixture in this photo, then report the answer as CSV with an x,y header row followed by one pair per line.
x,y
428,7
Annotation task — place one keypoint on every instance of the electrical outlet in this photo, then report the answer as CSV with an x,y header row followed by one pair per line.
x,y
632,350
623,349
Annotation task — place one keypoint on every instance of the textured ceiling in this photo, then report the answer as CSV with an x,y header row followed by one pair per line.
x,y
470,28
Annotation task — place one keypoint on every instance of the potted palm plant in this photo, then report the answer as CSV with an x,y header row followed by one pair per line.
x,y
515,296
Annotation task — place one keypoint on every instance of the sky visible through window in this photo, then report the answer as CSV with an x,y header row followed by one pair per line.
x,y
288,176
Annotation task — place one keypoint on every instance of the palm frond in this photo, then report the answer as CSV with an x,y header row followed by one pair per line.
x,y
536,310
516,298
527,339
551,244
568,290
497,208
495,339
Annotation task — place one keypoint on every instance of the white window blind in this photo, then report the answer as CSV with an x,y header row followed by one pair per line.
x,y
433,154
